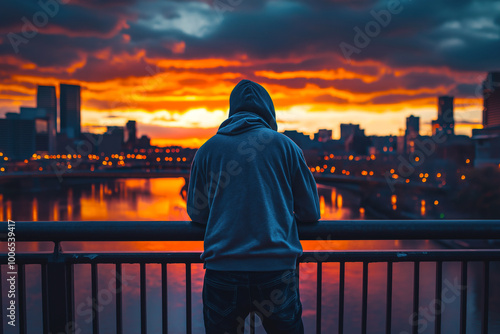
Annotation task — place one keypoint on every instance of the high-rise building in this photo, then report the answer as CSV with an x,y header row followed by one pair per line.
x,y
302,140
488,138
323,135
46,99
354,139
412,126
383,145
412,132
41,118
17,137
112,140
144,142
69,107
350,130
491,95
130,134
445,121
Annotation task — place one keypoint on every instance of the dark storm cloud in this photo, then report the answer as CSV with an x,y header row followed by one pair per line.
x,y
386,83
469,90
397,98
95,18
462,35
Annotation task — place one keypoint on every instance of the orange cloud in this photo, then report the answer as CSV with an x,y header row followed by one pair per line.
x,y
164,95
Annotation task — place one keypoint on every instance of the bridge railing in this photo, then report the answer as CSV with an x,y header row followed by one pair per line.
x,y
57,267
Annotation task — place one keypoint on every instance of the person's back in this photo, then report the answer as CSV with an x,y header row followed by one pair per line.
x,y
250,185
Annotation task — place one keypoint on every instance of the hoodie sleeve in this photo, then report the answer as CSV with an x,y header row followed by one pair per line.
x,y
197,201
305,193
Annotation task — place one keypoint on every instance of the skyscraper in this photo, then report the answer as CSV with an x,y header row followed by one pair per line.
x,y
412,126
412,132
445,121
46,99
130,134
69,106
491,95
488,138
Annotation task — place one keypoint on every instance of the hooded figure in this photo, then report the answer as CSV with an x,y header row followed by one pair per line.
x,y
250,185
246,183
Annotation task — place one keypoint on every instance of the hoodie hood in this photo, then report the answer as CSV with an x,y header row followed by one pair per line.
x,y
250,107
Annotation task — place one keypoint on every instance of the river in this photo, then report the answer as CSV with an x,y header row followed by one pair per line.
x,y
162,200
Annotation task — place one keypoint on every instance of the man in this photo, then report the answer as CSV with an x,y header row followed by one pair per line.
x,y
250,185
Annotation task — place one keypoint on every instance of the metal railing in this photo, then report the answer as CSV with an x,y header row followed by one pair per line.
x,y
57,268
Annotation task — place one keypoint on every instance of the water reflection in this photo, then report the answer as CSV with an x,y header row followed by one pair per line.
x,y
164,200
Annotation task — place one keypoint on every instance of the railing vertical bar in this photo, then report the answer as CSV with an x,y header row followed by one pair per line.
x,y
188,298
119,289
439,296
70,293
252,322
364,303
463,299
95,301
164,297
388,311
45,298
144,319
319,283
486,297
341,296
1,298
416,286
22,298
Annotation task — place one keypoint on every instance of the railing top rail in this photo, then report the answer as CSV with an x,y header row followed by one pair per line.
x,y
308,256
322,230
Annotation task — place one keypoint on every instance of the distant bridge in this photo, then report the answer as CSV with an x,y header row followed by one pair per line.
x,y
108,174
163,173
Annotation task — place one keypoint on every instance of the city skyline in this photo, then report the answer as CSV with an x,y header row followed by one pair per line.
x,y
151,63
173,166
72,108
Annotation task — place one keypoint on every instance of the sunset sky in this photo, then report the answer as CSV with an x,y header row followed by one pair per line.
x,y
171,65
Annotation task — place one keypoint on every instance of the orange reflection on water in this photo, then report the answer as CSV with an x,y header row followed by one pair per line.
x,y
339,201
322,205
70,204
9,209
55,211
34,210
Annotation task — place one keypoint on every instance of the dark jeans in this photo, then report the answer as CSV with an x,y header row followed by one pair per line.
x,y
229,296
